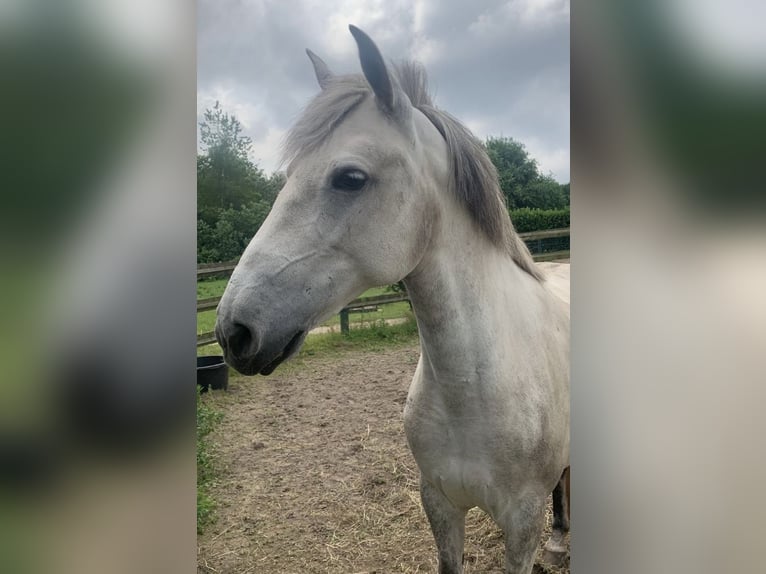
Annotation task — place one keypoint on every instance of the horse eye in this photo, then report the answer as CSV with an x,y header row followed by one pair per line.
x,y
349,180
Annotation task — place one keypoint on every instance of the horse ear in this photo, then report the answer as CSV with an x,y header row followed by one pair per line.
x,y
375,69
323,73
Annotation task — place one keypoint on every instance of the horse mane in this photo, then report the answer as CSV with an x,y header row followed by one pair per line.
x,y
474,178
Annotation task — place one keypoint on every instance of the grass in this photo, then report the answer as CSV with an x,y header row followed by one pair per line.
x,y
386,311
207,419
205,321
211,287
371,336
215,288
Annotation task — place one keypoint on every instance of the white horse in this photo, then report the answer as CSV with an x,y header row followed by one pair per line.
x,y
382,186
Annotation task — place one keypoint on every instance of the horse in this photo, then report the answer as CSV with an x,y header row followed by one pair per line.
x,y
383,186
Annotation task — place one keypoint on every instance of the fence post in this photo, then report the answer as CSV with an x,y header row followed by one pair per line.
x,y
344,321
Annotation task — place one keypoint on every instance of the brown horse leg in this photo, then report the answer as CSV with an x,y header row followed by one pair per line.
x,y
556,548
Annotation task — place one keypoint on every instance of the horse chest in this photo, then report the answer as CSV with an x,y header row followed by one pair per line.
x,y
476,451
456,426
455,455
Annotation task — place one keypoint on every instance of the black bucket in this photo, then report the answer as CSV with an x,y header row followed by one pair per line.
x,y
212,372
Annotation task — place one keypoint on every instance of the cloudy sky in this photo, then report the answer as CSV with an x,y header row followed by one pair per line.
x,y
500,67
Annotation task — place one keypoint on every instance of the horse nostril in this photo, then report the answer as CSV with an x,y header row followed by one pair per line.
x,y
240,340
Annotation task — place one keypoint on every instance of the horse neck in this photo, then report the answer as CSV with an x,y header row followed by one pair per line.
x,y
472,304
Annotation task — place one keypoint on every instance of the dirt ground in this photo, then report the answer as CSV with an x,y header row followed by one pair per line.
x,y
315,475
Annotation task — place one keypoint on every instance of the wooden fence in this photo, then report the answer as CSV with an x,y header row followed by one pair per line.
x,y
533,239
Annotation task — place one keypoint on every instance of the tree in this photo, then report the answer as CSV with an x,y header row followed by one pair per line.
x,y
542,193
226,177
228,237
275,183
221,132
234,196
520,179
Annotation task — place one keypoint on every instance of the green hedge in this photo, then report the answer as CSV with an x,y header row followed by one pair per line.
x,y
526,219
225,238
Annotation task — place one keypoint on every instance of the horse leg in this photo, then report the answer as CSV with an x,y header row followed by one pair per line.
x,y
447,525
556,547
523,525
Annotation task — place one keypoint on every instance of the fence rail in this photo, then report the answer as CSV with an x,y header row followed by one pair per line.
x,y
551,255
210,269
545,234
206,339
207,304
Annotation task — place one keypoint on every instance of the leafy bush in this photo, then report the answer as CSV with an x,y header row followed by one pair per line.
x,y
527,219
520,179
227,239
542,193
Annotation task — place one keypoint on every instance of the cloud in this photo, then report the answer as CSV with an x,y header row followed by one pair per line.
x,y
503,67
531,14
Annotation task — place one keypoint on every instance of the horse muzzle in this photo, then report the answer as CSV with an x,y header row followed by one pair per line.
x,y
249,352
